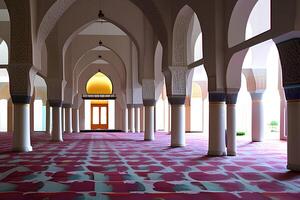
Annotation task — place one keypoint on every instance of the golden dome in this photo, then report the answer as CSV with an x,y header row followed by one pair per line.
x,y
99,84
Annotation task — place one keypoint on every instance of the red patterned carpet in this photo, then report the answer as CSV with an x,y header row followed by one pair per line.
x,y
116,166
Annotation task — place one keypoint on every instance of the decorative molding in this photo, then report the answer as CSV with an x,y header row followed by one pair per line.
x,y
20,99
99,96
149,102
178,80
66,105
217,97
55,103
289,52
231,98
148,89
177,99
292,92
256,96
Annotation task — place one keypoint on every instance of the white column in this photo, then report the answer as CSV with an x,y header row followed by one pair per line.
x,y
137,119
68,120
10,116
149,123
63,121
82,116
21,135
293,139
131,119
32,115
231,130
125,120
169,118
283,119
142,121
48,118
177,125
57,124
257,117
75,120
216,143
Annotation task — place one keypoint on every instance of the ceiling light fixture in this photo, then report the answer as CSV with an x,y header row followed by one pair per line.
x,y
101,17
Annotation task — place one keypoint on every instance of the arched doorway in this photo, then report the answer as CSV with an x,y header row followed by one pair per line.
x,y
99,103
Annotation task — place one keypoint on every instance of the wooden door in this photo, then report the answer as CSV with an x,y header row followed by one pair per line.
x,y
99,116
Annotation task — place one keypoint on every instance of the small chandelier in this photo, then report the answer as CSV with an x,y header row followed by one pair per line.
x,y
101,17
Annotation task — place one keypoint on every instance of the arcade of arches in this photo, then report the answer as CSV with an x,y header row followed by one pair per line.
x,y
218,80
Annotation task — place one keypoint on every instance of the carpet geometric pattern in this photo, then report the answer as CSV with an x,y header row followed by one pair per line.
x,y
115,166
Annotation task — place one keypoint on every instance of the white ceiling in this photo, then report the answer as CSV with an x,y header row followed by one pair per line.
x,y
100,62
98,28
101,48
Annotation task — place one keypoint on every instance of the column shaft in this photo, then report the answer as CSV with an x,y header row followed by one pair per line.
x,y
257,121
75,120
131,119
32,115
57,124
177,125
142,121
48,119
283,120
21,135
231,130
149,123
63,119
216,145
125,120
293,139
68,120
82,116
137,118
10,116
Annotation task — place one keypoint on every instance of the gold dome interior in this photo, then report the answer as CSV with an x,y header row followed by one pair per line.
x,y
99,84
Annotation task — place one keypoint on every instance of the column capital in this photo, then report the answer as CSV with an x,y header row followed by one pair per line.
x,y
66,105
20,99
292,92
149,102
55,103
175,78
130,106
289,51
256,96
177,99
148,89
231,98
217,96
21,78
138,105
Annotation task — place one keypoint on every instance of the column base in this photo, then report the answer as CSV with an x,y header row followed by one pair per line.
x,y
148,140
177,145
22,149
57,140
231,153
293,167
257,140
216,153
